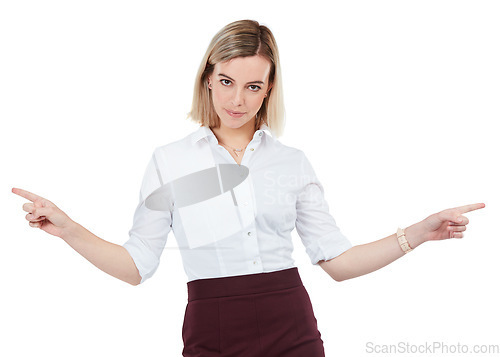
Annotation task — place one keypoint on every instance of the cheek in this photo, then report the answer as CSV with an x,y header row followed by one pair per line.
x,y
256,101
219,97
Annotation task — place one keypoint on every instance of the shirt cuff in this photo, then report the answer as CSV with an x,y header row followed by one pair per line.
x,y
145,261
328,247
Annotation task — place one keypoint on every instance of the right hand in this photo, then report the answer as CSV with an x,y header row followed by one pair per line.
x,y
44,214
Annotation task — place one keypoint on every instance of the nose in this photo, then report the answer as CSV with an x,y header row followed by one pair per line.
x,y
238,97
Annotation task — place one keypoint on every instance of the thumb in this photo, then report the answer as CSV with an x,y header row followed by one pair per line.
x,y
42,211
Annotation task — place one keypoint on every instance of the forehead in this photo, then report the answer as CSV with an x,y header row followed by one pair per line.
x,y
245,69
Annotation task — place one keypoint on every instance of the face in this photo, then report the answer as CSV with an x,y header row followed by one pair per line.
x,y
238,89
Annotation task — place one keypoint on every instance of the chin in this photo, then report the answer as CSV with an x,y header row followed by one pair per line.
x,y
234,123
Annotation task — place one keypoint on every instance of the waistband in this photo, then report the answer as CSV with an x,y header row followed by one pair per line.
x,y
243,284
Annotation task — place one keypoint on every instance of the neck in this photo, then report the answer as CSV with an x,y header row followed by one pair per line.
x,y
235,137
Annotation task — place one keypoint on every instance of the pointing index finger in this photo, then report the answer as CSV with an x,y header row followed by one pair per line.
x,y
472,207
26,194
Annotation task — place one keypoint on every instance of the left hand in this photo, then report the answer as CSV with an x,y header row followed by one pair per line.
x,y
449,223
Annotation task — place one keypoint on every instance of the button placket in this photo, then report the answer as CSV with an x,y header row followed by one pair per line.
x,y
244,198
251,247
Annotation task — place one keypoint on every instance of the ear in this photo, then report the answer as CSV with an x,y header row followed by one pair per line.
x,y
269,88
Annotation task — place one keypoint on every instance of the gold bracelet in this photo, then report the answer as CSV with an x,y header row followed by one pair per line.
x,y
402,241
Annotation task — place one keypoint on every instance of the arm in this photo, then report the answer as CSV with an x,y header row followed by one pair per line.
x,y
366,258
109,257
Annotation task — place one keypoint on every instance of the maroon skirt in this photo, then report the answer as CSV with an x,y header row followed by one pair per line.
x,y
265,314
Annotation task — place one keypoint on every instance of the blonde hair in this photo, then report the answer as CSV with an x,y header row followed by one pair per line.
x,y
241,39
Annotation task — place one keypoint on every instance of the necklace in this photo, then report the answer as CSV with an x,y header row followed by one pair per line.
x,y
236,151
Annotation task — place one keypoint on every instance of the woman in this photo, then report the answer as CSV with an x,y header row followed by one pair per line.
x,y
232,194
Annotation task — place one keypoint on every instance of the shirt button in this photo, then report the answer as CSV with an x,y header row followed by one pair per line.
x,y
254,262
249,233
251,149
260,134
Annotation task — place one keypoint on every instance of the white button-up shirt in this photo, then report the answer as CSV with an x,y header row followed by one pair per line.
x,y
231,219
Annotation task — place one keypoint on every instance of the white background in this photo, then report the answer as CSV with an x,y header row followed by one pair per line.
x,y
396,103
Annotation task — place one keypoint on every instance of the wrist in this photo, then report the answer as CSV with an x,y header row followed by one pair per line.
x,y
71,230
414,235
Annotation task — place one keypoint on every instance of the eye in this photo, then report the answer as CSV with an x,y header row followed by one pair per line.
x,y
254,88
225,82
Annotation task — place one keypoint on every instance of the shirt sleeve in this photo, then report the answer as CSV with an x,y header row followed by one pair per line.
x,y
315,225
150,229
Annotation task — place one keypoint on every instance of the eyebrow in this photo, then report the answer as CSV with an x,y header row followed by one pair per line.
x,y
225,75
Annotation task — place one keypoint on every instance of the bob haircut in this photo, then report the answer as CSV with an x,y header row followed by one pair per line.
x,y
241,39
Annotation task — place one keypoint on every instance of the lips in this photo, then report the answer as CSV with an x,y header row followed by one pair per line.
x,y
234,114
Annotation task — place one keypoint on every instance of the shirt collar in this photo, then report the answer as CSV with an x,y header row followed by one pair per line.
x,y
204,132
